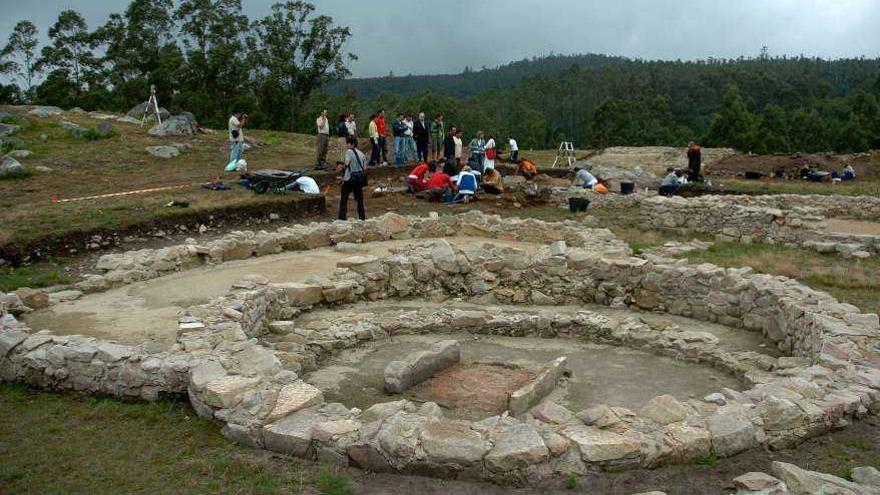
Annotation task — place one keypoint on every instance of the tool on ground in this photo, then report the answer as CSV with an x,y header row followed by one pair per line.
x,y
125,193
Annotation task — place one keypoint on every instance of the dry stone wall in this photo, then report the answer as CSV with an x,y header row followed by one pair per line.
x,y
750,219
232,375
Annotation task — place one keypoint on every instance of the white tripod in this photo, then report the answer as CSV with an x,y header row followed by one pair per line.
x,y
152,106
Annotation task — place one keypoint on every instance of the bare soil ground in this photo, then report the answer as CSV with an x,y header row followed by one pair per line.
x,y
857,227
867,166
478,386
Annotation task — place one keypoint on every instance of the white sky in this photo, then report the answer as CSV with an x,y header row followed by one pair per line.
x,y
420,36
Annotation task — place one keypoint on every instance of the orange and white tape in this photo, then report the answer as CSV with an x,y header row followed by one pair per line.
x,y
126,193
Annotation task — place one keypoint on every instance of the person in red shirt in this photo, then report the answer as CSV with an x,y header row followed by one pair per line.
x,y
416,180
440,183
382,127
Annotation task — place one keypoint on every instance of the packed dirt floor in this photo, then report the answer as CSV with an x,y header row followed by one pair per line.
x,y
843,226
148,310
600,374
739,164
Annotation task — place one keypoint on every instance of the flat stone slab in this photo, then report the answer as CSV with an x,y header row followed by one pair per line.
x,y
522,399
419,366
294,397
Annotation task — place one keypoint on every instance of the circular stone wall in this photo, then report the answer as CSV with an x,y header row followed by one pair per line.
x,y
229,363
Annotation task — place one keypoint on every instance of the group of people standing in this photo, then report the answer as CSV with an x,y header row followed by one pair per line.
x,y
413,141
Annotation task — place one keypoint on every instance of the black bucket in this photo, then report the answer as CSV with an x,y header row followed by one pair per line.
x,y
627,187
578,204
753,175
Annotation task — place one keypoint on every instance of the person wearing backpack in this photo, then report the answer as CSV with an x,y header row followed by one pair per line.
x,y
354,178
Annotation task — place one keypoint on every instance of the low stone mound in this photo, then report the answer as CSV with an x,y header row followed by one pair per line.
x,y
652,160
183,124
10,168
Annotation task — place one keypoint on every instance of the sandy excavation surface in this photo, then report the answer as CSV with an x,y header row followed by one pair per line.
x,y
148,310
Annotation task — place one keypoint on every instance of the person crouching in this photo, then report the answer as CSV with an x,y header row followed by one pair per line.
x,y
439,184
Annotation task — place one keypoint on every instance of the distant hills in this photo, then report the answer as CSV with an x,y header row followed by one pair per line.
x,y
471,82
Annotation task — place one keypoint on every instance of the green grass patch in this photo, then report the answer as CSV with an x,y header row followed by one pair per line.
x,y
709,460
851,280
62,444
855,188
330,482
34,276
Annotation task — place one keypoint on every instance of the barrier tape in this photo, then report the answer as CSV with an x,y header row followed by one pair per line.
x,y
126,193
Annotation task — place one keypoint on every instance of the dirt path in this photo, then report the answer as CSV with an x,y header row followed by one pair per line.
x,y
858,227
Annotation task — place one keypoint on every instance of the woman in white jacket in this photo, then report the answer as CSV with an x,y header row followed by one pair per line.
x,y
491,153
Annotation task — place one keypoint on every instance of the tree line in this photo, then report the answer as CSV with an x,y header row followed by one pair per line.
x,y
207,57
203,56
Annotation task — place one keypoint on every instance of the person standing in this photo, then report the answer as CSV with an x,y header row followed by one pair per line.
x,y
236,136
438,135
409,145
491,153
322,140
382,129
478,154
398,131
458,147
374,140
422,133
514,150
449,146
695,161
351,126
354,178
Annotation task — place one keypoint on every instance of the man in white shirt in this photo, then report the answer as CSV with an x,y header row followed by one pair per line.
x,y
236,135
322,141
514,150
304,184
409,143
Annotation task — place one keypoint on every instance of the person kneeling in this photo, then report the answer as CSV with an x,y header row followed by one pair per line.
x,y
304,184
670,183
467,185
439,184
416,181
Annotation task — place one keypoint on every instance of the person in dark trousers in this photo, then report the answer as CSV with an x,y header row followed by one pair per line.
x,y
422,134
449,146
398,130
695,161
353,180
382,129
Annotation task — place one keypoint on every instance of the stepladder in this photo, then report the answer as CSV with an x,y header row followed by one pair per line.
x,y
565,154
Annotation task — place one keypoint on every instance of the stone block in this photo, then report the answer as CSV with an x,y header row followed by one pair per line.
x,y
419,366
294,397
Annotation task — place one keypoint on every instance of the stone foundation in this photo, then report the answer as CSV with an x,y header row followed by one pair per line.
x,y
829,374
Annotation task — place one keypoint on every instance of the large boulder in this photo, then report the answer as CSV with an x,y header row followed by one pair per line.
x,y
803,482
10,167
518,447
137,112
183,124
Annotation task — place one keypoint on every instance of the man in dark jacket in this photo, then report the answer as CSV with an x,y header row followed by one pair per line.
x,y
422,133
449,146
398,130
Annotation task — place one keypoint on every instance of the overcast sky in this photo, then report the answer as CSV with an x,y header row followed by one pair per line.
x,y
437,36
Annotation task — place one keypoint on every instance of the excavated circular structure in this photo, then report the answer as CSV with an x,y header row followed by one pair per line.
x,y
241,357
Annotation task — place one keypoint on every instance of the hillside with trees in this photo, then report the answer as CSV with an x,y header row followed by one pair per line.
x,y
207,57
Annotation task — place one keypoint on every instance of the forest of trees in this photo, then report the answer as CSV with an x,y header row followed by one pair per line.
x,y
207,57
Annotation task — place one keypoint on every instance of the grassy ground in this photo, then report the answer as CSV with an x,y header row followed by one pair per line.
x,y
62,444
850,280
83,167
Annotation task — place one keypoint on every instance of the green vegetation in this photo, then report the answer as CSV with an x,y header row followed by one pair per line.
x,y
571,481
708,461
33,276
330,482
852,281
57,444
